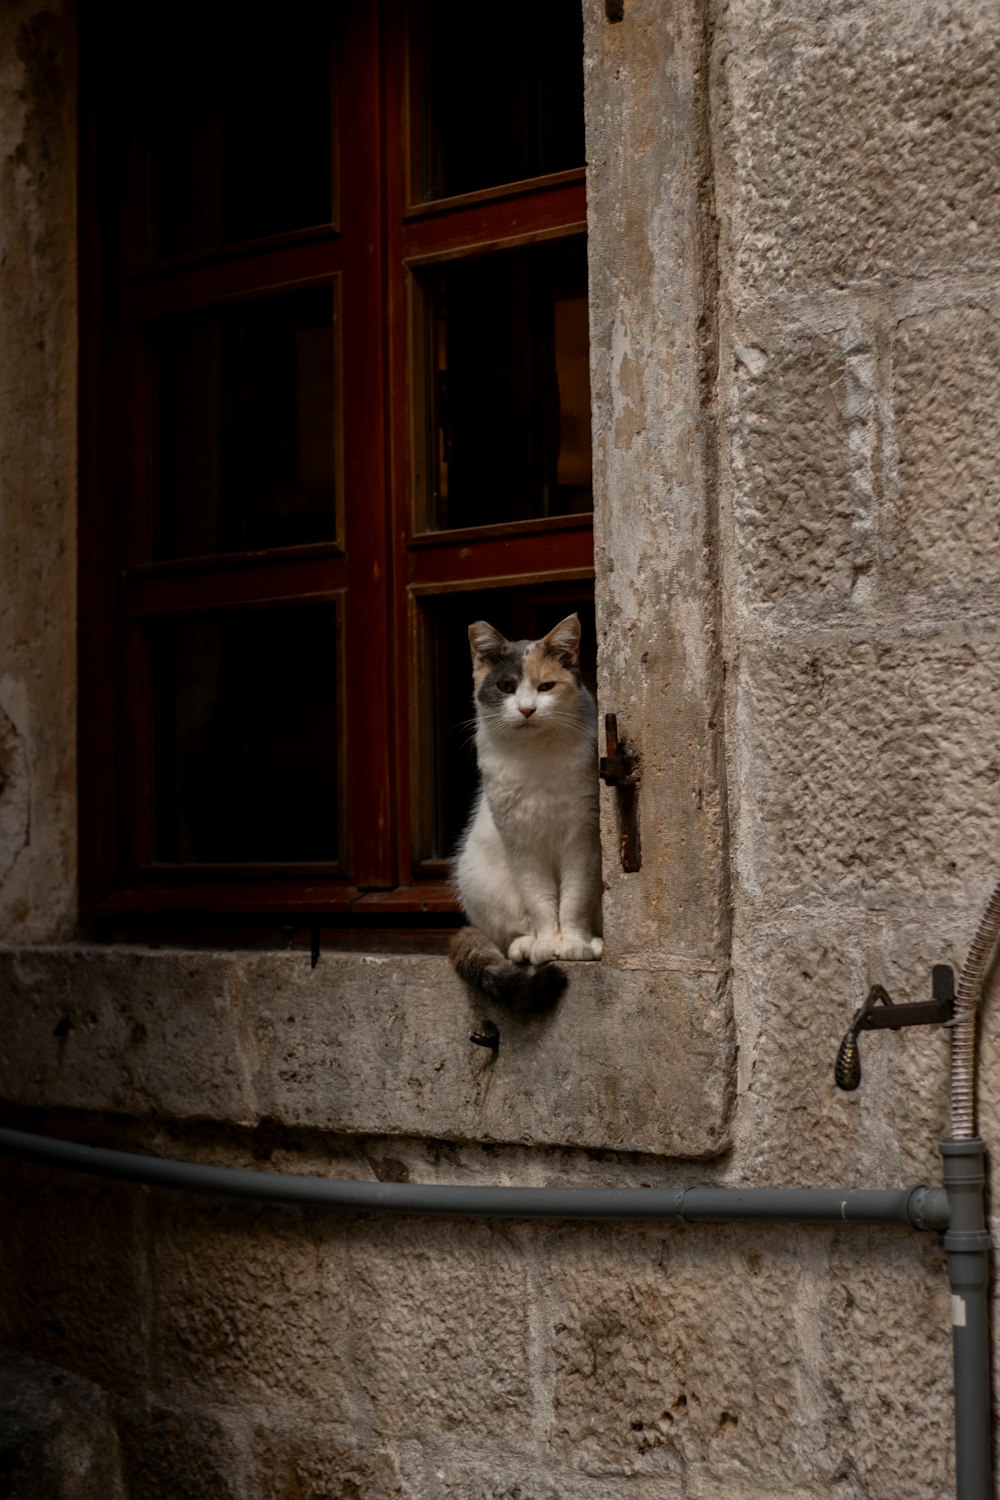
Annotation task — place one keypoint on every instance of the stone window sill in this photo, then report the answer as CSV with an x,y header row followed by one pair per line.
x,y
366,1044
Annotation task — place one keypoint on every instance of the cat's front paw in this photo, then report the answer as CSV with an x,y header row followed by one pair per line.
x,y
545,948
530,949
579,949
519,951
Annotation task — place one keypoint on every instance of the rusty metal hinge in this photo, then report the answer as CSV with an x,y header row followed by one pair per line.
x,y
622,769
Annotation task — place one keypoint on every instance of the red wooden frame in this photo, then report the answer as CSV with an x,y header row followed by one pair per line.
x,y
380,567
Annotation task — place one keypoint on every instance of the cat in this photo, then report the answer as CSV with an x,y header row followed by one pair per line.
x,y
528,867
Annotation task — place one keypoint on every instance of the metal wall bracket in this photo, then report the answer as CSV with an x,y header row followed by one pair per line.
x,y
879,1013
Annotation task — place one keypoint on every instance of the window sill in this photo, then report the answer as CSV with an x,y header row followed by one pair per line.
x,y
372,1044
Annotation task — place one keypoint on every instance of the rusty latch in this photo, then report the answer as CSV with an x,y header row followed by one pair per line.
x,y
622,769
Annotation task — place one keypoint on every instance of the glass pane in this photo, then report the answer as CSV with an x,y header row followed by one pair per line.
x,y
245,439
245,734
240,123
449,734
507,387
498,94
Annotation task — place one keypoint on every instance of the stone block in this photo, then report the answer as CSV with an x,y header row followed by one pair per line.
x,y
629,1060
250,1303
507,1477
57,1436
688,1357
946,369
322,1462
870,768
749,1361
72,1266
862,149
886,1364
802,984
123,1030
802,449
172,1453
441,1329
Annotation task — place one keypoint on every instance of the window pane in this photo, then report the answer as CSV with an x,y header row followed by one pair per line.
x,y
507,387
245,427
498,94
449,733
245,735
240,123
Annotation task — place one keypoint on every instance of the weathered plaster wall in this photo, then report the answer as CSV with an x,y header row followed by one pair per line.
x,y
794,253
37,473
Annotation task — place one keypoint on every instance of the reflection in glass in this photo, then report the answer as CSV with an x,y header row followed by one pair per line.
x,y
497,94
245,427
508,387
240,123
245,737
448,735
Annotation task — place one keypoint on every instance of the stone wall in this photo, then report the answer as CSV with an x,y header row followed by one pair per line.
x,y
856,186
794,317
274,1353
37,473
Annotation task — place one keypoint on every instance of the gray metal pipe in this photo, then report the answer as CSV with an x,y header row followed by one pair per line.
x,y
919,1207
967,1246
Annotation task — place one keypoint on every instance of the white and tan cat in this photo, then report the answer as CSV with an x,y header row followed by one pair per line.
x,y
528,870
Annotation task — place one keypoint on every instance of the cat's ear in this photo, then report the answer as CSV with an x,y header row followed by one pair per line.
x,y
487,644
563,640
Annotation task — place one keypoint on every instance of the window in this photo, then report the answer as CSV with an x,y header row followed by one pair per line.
x,y
335,407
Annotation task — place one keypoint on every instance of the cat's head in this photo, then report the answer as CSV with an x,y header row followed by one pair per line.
x,y
529,687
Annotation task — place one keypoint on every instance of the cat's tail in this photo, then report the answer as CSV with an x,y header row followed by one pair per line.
x,y
521,987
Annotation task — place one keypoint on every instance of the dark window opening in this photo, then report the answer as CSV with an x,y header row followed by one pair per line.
x,y
244,426
239,143
245,738
507,366
498,97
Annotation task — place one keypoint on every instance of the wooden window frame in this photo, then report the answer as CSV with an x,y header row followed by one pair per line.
x,y
400,566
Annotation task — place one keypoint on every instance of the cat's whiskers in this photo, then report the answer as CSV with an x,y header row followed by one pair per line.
x,y
541,718
467,728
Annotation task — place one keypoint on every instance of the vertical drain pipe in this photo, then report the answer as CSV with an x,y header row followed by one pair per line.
x,y
967,1245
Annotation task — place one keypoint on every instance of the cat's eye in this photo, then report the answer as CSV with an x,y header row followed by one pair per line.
x,y
546,687
507,685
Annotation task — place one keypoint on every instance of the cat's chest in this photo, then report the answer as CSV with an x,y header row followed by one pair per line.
x,y
546,793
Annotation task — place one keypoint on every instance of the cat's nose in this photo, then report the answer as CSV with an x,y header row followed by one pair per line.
x,y
527,712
